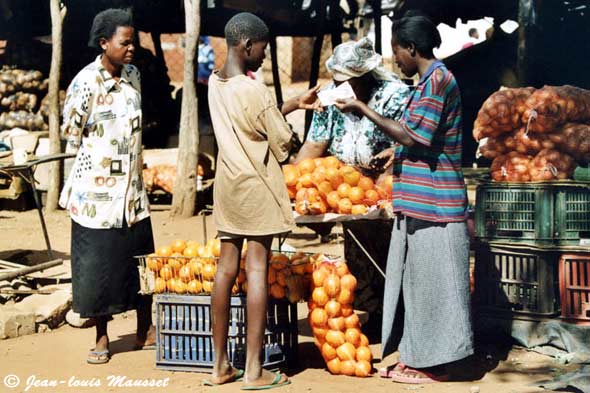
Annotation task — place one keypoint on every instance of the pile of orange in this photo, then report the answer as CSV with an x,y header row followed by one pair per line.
x,y
335,326
187,267
323,185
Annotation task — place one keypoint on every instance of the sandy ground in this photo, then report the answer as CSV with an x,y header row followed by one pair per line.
x,y
58,357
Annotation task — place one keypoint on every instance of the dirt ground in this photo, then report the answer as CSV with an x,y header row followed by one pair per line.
x,y
58,357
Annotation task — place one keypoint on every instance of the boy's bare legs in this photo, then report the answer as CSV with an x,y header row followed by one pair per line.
x,y
227,271
257,297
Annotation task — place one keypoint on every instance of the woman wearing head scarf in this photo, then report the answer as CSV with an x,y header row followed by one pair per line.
x,y
104,193
355,140
428,259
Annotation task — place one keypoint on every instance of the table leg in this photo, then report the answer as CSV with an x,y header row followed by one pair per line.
x,y
40,211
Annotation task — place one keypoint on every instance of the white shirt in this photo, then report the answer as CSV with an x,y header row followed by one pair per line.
x,y
102,123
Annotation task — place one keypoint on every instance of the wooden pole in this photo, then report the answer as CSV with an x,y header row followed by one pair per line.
x,y
377,18
314,75
58,12
185,186
276,77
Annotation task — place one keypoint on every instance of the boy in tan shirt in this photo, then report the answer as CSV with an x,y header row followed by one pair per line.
x,y
250,197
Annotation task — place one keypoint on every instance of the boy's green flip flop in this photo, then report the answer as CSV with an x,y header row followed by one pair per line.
x,y
274,384
237,377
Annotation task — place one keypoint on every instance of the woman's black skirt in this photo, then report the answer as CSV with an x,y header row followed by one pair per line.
x,y
105,279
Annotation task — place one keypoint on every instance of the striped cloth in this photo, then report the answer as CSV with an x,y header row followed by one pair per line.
x,y
428,181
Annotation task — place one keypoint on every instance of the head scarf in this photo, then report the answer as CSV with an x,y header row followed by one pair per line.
x,y
355,58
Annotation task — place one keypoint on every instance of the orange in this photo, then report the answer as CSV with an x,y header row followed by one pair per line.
x,y
356,195
185,273
350,175
318,342
154,264
353,336
180,287
298,186
331,162
216,248
347,310
313,195
328,352
318,277
334,366
346,351
358,209
366,183
195,267
347,367
164,251
319,317
345,296
171,285
161,285
318,176
306,180
319,296
282,277
320,332
333,309
344,206
302,207
272,276
291,175
352,321
324,188
209,271
363,353
336,181
166,272
348,281
371,197
362,368
178,245
319,161
333,198
336,323
208,286
318,207
291,191
335,337
364,341
195,286
241,276
332,285
175,262
341,269
306,166
331,174
279,261
235,289
343,190
190,251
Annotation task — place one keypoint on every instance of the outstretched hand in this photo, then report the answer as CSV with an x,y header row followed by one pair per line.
x,y
309,100
349,105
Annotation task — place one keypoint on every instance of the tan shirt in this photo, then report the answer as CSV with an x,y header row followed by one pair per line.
x,y
250,196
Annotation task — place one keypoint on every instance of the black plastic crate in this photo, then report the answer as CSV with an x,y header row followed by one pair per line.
x,y
185,342
516,280
545,214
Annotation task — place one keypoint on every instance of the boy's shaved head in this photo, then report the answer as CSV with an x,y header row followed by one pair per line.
x,y
245,26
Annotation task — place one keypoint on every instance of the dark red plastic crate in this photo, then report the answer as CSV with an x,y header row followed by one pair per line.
x,y
574,286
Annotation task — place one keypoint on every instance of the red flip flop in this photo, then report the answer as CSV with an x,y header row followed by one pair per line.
x,y
401,375
387,372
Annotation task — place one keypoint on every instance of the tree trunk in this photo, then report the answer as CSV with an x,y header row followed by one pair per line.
x,y
57,16
185,185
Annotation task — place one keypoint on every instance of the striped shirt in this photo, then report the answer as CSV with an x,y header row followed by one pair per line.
x,y
427,177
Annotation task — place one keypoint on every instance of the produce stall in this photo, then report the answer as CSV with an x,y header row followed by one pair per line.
x,y
532,217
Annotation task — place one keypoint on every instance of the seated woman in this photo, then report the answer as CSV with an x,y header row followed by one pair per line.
x,y
355,140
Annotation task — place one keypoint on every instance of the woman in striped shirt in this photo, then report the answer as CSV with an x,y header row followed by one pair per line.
x,y
428,258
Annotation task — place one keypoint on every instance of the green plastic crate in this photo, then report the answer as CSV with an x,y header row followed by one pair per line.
x,y
516,280
544,214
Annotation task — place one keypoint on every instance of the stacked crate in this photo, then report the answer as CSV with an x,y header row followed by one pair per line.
x,y
531,258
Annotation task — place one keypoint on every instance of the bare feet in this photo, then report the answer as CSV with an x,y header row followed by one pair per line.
x,y
146,339
225,375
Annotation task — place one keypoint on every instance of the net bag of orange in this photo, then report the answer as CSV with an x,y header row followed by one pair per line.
x,y
335,326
